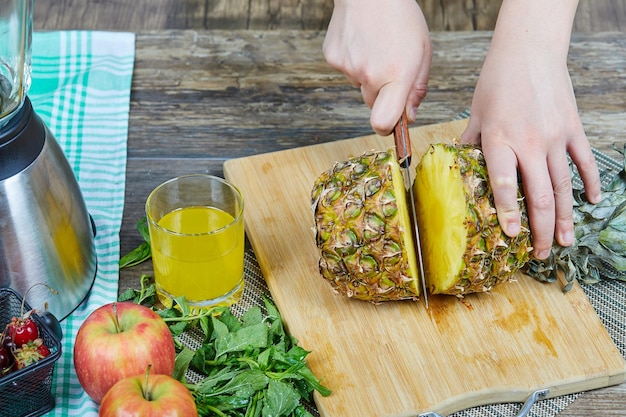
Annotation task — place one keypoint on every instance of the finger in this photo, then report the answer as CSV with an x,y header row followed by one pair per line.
x,y
502,163
369,95
472,132
563,197
420,86
540,204
416,95
388,107
588,169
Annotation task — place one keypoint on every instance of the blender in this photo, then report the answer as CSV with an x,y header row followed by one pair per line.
x,y
46,233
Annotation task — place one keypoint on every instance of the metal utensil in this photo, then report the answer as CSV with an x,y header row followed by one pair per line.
x,y
523,412
403,151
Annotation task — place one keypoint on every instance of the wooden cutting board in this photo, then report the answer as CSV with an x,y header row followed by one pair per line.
x,y
399,359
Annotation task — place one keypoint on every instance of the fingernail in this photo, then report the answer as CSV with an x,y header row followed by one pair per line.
x,y
543,254
567,238
412,114
596,198
512,228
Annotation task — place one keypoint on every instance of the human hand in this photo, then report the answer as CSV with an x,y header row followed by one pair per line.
x,y
383,48
524,115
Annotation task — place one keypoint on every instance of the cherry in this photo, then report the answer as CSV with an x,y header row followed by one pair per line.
x,y
8,343
23,331
6,358
43,350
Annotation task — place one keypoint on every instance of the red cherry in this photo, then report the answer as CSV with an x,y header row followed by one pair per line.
x,y
8,343
43,350
6,358
23,331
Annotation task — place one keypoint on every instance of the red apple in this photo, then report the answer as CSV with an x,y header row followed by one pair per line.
x,y
119,340
151,396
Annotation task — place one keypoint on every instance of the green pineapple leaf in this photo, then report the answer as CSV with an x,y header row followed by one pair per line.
x,y
599,251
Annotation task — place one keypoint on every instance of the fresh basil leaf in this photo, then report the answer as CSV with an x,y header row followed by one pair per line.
x,y
245,384
142,227
300,411
230,320
181,363
178,328
128,295
252,317
251,337
138,255
213,385
280,400
142,252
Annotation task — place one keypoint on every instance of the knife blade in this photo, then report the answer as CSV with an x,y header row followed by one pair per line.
x,y
403,152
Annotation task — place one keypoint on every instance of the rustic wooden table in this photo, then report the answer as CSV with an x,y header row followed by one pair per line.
x,y
201,97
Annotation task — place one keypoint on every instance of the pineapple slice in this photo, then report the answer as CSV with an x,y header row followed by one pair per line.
x,y
441,205
465,249
363,229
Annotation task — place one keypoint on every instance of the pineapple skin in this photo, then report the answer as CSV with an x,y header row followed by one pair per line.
x,y
489,256
363,230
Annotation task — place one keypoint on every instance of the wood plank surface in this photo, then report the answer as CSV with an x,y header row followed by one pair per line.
x,y
137,15
399,359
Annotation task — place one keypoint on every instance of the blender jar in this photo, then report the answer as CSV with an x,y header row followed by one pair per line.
x,y
46,233
16,20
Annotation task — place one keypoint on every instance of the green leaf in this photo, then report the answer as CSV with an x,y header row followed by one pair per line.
x,y
146,295
230,320
178,328
181,364
300,411
142,227
182,303
202,359
220,330
138,255
251,337
142,252
244,384
313,382
128,295
281,399
213,384
253,316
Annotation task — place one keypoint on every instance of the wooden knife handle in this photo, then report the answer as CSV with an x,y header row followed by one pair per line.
x,y
402,141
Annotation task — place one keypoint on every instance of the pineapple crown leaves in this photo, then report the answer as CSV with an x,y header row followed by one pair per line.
x,y
599,251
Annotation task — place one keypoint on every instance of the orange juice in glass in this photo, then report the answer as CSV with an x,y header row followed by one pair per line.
x,y
197,239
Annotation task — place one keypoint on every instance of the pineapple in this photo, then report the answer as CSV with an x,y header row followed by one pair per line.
x,y
363,230
464,247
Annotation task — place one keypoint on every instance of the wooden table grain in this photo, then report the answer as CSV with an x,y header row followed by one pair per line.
x,y
200,98
591,16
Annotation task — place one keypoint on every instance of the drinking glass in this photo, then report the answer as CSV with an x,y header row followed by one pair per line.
x,y
197,240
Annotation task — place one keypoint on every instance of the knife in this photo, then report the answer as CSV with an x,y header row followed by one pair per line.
x,y
403,152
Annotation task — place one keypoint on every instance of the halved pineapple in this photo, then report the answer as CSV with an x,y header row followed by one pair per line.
x,y
363,229
464,247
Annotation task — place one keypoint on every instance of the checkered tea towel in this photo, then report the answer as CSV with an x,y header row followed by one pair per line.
x,y
81,89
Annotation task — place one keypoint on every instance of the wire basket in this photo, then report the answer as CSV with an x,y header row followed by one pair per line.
x,y
27,392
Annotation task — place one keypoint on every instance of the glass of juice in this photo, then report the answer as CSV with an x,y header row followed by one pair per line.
x,y
197,239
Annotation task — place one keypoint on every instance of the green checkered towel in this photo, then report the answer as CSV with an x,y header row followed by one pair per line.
x,y
81,89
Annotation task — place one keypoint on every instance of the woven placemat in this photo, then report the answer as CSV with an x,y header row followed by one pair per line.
x,y
607,297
